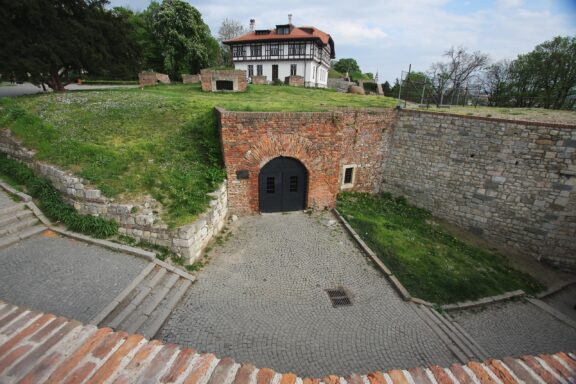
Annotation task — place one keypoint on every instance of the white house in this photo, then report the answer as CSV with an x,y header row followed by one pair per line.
x,y
284,51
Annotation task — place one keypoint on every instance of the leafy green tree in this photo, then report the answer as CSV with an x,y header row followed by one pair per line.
x,y
545,76
183,36
43,41
346,65
143,25
386,88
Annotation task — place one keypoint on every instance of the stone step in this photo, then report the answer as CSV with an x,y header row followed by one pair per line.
x,y
9,210
21,235
477,348
19,225
159,316
133,301
11,217
139,316
465,345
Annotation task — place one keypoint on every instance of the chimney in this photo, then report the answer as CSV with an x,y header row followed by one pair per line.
x,y
252,25
290,18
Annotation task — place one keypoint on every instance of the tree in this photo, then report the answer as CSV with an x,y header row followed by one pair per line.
x,y
184,37
346,65
448,77
44,40
545,76
386,88
151,50
228,30
496,83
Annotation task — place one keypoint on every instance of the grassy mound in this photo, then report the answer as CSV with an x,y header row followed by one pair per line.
x,y
432,264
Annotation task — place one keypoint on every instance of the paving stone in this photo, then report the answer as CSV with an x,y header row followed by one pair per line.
x,y
516,328
63,276
262,299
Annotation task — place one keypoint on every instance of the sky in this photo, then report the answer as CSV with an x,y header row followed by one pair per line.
x,y
386,36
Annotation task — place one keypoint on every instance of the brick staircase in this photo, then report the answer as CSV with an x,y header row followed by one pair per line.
x,y
17,222
147,302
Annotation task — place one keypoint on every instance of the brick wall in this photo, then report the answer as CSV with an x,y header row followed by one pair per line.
x,y
152,78
512,182
294,81
190,79
208,77
259,80
323,142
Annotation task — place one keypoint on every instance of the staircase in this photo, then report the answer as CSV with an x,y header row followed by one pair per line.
x,y
454,336
147,302
17,222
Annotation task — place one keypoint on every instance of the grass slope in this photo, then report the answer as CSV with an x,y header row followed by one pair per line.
x,y
432,264
161,141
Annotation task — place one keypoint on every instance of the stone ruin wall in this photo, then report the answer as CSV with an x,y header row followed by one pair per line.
x,y
511,182
136,220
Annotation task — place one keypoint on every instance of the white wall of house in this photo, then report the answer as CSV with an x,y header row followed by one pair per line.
x,y
314,73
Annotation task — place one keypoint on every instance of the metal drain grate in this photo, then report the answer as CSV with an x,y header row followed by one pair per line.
x,y
338,297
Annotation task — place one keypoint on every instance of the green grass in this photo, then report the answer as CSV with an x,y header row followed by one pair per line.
x,y
432,264
161,141
52,204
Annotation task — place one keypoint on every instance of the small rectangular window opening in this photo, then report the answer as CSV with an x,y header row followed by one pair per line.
x,y
348,174
293,69
259,70
293,183
270,185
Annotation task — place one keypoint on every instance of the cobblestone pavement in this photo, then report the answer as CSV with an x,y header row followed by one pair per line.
x,y
5,200
64,276
261,299
516,328
564,301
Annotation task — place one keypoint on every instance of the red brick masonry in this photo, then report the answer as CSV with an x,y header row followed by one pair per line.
x,y
43,348
323,141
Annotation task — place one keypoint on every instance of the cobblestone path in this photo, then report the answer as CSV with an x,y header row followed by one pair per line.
x,y
516,328
64,276
262,299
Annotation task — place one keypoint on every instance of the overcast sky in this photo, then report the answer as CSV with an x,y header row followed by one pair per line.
x,y
388,35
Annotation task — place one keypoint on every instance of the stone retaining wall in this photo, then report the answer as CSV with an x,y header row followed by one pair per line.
x,y
152,78
137,220
512,182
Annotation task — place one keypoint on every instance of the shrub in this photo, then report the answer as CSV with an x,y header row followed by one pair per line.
x,y
52,204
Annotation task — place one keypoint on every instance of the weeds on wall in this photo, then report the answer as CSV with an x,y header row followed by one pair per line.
x,y
52,204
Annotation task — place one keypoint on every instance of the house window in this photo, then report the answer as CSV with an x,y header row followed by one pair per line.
x,y
293,69
259,70
348,176
274,50
296,49
256,50
250,71
283,30
238,51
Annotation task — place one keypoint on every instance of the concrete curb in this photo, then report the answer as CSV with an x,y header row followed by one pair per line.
x,y
150,256
372,255
553,312
556,288
24,197
484,301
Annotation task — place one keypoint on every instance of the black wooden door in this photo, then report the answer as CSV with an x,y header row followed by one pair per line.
x,y
274,72
282,185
